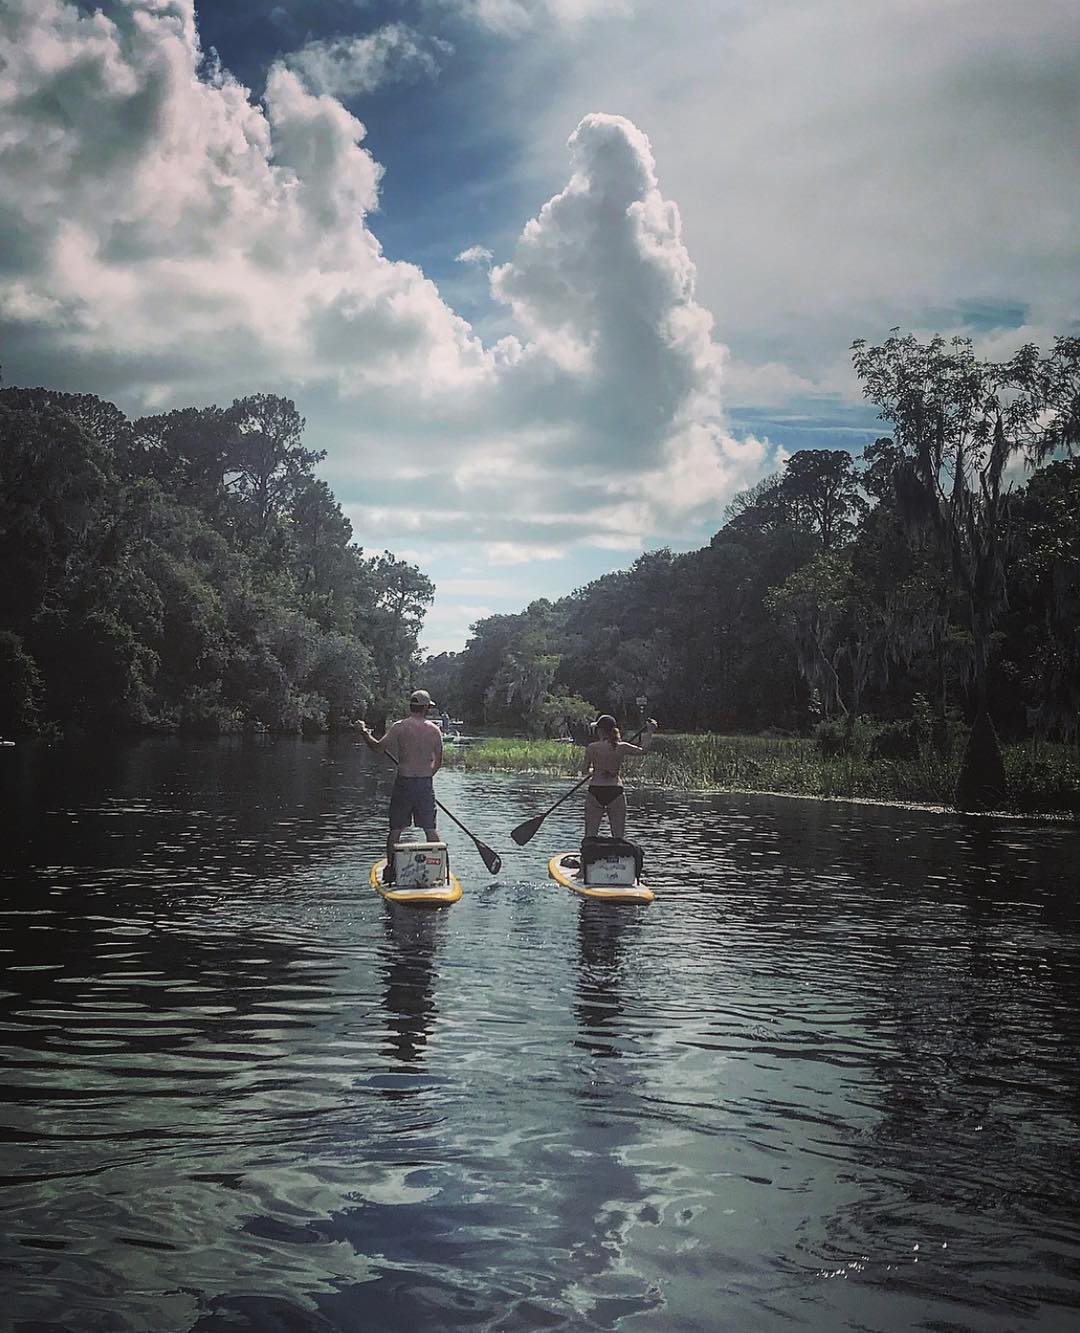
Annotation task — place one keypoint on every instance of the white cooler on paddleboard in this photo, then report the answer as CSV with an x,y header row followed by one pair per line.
x,y
420,865
609,861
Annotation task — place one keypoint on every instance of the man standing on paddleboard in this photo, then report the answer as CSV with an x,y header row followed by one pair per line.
x,y
416,745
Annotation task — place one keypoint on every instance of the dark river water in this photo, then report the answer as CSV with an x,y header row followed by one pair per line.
x,y
828,1080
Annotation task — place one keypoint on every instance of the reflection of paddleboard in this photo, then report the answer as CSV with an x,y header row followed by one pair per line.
x,y
566,869
438,895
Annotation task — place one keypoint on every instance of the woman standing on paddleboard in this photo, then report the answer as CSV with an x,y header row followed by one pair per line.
x,y
603,758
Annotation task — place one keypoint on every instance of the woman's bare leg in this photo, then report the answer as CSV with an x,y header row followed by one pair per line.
x,y
594,813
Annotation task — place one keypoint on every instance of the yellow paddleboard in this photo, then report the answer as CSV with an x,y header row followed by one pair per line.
x,y
570,876
440,895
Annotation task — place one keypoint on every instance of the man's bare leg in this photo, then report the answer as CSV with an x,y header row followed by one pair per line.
x,y
391,842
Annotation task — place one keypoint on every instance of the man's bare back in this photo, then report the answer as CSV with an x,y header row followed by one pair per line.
x,y
417,746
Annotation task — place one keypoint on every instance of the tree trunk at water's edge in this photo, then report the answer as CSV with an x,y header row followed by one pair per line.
x,y
982,784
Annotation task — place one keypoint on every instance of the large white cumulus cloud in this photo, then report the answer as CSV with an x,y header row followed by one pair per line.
x,y
166,239
604,289
843,167
153,212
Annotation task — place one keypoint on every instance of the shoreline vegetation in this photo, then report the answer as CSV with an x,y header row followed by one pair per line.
x,y
873,627
912,607
1042,781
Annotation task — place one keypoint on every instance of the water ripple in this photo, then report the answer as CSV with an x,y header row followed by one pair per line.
x,y
826,1079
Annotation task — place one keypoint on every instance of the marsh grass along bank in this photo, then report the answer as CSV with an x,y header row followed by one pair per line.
x,y
1043,780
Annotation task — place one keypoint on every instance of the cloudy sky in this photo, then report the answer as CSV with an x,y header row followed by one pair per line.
x,y
550,280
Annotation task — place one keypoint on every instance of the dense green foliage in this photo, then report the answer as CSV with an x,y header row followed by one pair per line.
x,y
932,568
187,571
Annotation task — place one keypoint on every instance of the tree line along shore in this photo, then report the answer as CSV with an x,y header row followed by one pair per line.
x,y
891,618
901,624
188,572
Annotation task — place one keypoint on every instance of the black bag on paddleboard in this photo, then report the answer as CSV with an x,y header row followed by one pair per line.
x,y
599,849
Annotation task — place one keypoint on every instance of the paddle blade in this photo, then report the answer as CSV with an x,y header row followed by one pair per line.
x,y
524,832
492,859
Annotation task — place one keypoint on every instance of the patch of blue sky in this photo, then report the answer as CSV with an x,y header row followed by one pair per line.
x,y
810,425
978,317
453,175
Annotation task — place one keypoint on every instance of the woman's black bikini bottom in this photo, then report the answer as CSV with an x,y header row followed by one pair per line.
x,y
605,795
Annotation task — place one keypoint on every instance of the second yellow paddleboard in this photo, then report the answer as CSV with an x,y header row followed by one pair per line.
x,y
570,876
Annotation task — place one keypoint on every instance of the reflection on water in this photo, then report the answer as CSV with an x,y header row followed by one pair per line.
x,y
827,1079
600,968
408,968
